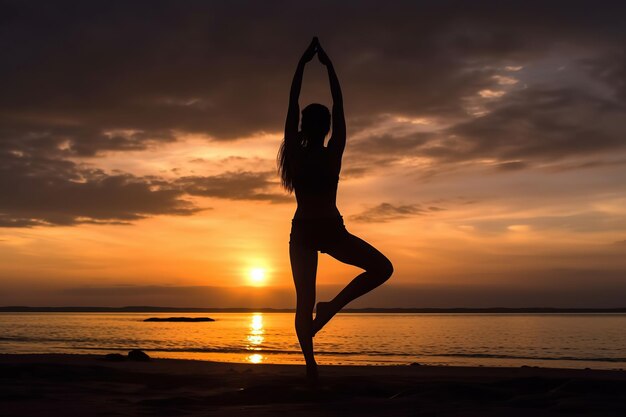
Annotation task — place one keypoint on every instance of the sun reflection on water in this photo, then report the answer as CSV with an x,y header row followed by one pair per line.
x,y
256,358
255,337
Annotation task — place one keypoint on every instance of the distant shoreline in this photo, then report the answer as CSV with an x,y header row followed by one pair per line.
x,y
154,309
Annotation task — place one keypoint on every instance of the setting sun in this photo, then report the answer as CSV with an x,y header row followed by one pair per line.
x,y
257,276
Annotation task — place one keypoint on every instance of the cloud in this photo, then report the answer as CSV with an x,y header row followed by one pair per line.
x,y
385,212
524,128
539,124
73,141
198,67
87,78
611,69
41,191
38,191
113,66
235,186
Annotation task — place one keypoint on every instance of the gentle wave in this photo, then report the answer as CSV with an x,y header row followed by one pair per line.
x,y
239,350
362,353
546,358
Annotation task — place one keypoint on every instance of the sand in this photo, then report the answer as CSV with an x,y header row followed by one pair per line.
x,y
87,385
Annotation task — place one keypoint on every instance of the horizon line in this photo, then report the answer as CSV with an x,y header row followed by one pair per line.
x,y
166,309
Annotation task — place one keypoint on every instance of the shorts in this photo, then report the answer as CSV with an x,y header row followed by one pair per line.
x,y
317,234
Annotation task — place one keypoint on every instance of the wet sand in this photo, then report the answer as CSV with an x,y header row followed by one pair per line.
x,y
87,385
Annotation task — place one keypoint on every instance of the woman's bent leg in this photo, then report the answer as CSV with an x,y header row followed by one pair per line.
x,y
354,251
304,270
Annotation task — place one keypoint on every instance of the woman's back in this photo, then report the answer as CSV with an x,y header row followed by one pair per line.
x,y
315,182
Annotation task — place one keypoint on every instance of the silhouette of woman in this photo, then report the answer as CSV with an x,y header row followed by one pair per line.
x,y
312,170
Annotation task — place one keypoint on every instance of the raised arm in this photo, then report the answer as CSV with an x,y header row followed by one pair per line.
x,y
337,142
293,112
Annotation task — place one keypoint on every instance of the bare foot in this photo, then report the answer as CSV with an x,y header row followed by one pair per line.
x,y
323,313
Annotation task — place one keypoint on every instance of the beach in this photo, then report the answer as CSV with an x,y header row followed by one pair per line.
x,y
89,385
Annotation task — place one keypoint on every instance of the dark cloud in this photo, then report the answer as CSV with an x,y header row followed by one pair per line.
x,y
235,186
611,69
385,212
539,125
71,141
524,127
40,191
223,68
375,152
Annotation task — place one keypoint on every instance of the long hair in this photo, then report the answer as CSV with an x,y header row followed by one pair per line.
x,y
285,158
315,122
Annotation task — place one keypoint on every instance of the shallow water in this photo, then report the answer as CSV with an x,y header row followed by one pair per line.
x,y
551,340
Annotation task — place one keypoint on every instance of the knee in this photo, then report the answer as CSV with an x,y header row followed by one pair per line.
x,y
383,269
304,306
387,269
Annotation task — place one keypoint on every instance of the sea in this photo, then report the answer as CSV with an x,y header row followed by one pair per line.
x,y
596,341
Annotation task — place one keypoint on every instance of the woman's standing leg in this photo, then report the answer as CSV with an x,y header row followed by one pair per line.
x,y
304,270
353,251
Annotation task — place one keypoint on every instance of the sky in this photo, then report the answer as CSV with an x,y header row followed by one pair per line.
x,y
486,152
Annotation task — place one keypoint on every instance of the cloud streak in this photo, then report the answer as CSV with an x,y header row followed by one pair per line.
x,y
235,186
385,212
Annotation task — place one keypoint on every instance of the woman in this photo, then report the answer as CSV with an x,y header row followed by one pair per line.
x,y
312,170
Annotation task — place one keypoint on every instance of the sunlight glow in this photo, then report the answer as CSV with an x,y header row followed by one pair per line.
x,y
257,276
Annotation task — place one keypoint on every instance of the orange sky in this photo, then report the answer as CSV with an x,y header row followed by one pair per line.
x,y
491,174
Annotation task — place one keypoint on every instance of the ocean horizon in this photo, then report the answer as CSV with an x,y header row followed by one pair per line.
x,y
158,309
556,339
